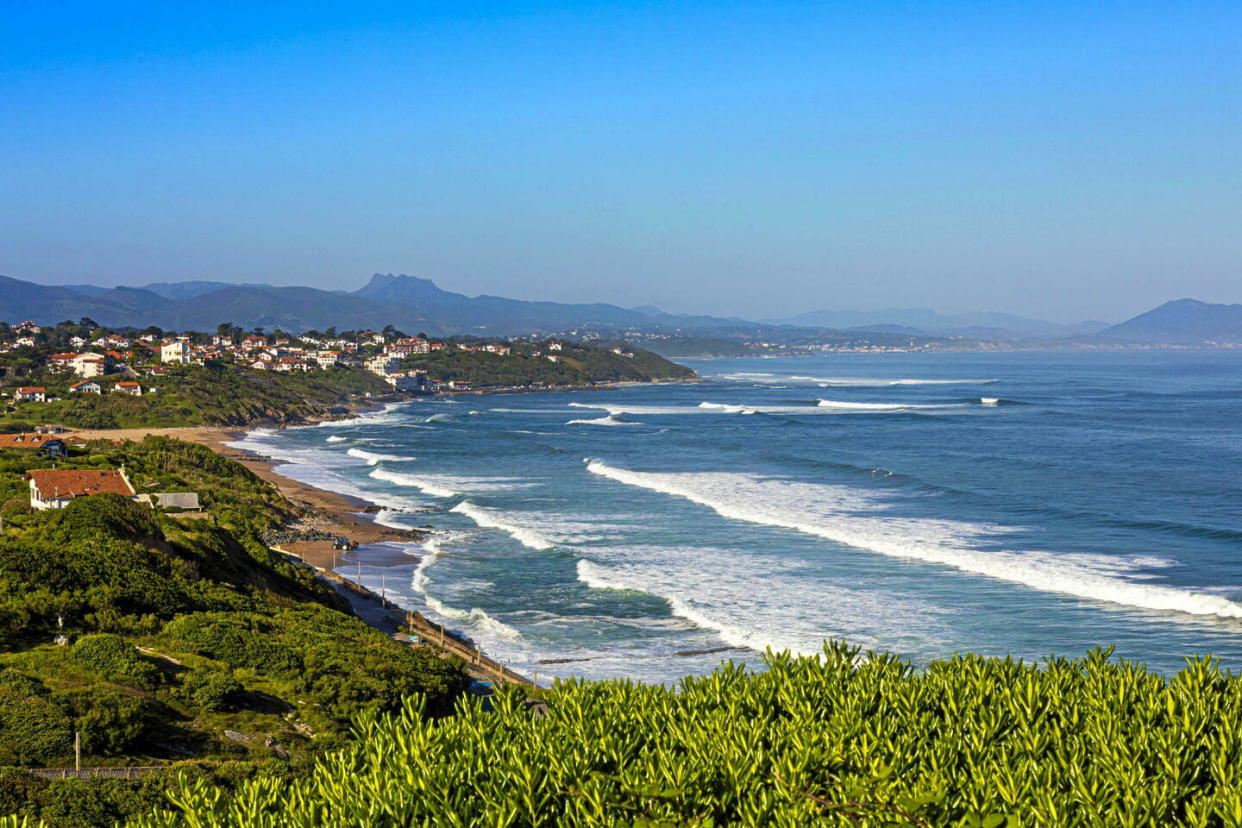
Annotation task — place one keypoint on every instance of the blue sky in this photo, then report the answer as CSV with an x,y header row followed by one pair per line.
x,y
1065,160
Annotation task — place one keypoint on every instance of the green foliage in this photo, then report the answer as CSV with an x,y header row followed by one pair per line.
x,y
213,394
211,691
114,658
846,739
580,365
110,721
33,730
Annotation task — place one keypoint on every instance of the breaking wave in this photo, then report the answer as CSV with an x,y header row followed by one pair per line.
x,y
524,534
610,420
850,516
372,458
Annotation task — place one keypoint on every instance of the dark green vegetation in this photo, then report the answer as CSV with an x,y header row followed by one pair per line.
x,y
579,365
846,740
183,629
211,394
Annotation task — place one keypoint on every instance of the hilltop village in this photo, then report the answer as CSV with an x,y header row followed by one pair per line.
x,y
232,376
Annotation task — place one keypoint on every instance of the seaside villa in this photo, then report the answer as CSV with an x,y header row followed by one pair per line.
x,y
55,488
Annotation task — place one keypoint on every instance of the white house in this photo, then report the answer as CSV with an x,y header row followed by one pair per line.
x,y
133,389
85,387
34,393
176,352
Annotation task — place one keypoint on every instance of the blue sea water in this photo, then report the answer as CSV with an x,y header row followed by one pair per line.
x,y
1002,503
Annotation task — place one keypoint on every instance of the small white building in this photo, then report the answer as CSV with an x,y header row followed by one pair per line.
x,y
33,393
133,389
85,387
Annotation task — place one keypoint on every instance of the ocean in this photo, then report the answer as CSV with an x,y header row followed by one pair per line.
x,y
1026,504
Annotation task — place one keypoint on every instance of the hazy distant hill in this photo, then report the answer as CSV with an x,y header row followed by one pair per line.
x,y
980,325
1182,321
204,305
498,315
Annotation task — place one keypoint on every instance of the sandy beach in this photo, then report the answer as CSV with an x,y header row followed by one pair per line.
x,y
326,511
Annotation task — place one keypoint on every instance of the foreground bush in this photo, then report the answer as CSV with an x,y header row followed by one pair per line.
x,y
843,740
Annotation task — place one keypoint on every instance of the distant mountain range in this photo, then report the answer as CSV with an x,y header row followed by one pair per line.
x,y
413,304
926,322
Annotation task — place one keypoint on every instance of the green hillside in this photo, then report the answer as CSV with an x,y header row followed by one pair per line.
x,y
212,394
191,644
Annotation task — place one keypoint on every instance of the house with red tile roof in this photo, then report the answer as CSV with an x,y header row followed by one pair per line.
x,y
56,488
41,443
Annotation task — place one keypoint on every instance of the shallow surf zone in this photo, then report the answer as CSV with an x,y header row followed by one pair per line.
x,y
851,517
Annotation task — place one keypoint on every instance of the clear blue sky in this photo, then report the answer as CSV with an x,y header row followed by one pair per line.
x,y
1068,160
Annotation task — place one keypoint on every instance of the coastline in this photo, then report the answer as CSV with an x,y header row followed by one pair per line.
x,y
323,510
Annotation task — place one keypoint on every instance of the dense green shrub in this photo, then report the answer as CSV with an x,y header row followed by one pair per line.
x,y
113,657
110,721
237,639
33,730
211,691
846,739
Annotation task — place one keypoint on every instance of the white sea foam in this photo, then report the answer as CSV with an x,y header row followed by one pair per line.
x,y
852,517
389,413
387,517
474,618
989,401
882,382
443,485
336,438
441,418
610,420
840,405
372,458
758,601
523,531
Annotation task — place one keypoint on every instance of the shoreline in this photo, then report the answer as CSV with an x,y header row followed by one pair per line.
x,y
323,510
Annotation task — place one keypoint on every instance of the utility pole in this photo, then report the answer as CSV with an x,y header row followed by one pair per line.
x,y
77,750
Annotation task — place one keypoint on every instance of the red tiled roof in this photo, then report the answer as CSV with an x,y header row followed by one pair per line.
x,y
23,440
33,389
53,483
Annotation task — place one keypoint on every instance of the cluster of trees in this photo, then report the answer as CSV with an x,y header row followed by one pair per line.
x,y
579,365
179,629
